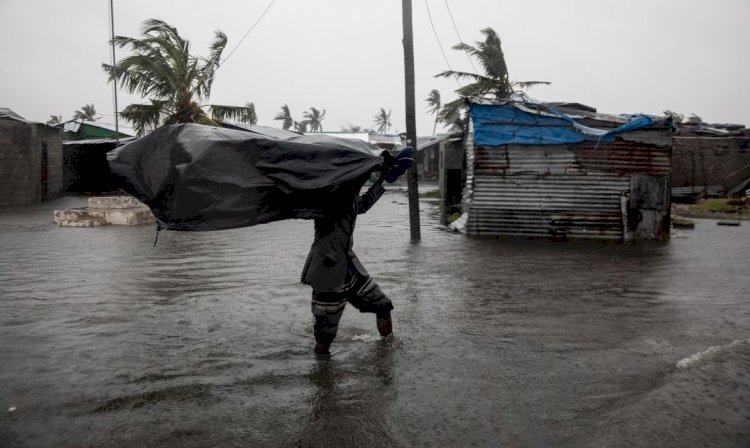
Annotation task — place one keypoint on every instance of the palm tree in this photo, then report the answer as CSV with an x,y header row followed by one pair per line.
x,y
54,119
383,120
301,126
86,113
244,114
286,116
352,128
495,80
162,69
434,105
455,122
314,119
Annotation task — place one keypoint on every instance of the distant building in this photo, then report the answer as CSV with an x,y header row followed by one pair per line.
x,y
710,160
391,142
428,153
74,130
85,148
537,170
31,166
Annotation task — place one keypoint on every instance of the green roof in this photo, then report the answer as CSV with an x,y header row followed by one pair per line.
x,y
92,130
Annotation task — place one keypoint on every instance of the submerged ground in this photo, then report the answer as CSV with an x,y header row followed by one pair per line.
x,y
206,339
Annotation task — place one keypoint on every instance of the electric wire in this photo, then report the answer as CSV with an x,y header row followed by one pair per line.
x,y
440,44
249,31
468,56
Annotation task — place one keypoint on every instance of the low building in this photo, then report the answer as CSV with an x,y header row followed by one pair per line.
x,y
31,160
391,142
441,158
85,148
427,157
77,130
710,160
536,170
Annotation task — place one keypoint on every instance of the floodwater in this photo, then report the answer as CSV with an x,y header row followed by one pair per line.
x,y
206,339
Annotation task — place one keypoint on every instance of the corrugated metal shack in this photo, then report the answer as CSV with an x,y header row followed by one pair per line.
x,y
536,170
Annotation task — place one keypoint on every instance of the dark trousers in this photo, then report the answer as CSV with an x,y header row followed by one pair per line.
x,y
360,290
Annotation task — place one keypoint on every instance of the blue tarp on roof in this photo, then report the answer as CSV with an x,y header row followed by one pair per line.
x,y
508,124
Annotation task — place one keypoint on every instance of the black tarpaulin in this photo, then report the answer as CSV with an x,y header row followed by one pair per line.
x,y
196,177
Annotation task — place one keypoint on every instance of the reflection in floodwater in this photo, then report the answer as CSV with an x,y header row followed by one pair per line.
x,y
352,393
206,339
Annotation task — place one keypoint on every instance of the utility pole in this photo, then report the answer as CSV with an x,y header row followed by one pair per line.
x,y
411,121
114,69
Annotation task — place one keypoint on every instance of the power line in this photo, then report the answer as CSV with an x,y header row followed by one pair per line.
x,y
459,35
249,31
440,44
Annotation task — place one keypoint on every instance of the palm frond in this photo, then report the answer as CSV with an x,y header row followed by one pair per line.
x,y
143,116
527,84
202,118
240,114
461,75
210,65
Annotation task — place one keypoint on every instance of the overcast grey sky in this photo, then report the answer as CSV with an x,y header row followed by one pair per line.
x,y
345,56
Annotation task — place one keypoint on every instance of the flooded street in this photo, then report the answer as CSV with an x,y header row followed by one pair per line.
x,y
206,339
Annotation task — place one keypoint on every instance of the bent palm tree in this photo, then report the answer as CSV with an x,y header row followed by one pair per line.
x,y
244,114
54,119
383,120
286,117
434,105
495,80
352,128
87,113
314,119
162,69
301,126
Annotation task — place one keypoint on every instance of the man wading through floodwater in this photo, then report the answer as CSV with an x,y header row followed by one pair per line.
x,y
200,178
336,274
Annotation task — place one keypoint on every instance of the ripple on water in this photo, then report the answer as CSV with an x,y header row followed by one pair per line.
x,y
703,402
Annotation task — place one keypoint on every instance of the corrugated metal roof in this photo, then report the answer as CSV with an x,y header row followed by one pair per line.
x,y
583,189
263,130
374,139
426,142
363,136
7,114
96,141
93,129
388,139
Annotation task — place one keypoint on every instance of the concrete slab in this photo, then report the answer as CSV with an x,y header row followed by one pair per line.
x,y
106,210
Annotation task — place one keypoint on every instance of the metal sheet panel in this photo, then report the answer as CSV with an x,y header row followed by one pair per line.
x,y
548,205
558,190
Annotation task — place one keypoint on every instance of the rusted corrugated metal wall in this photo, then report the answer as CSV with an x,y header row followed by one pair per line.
x,y
577,190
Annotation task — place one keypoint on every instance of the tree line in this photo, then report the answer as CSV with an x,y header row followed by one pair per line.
x,y
178,85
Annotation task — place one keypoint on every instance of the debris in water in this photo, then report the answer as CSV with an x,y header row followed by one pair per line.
x,y
728,223
682,223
